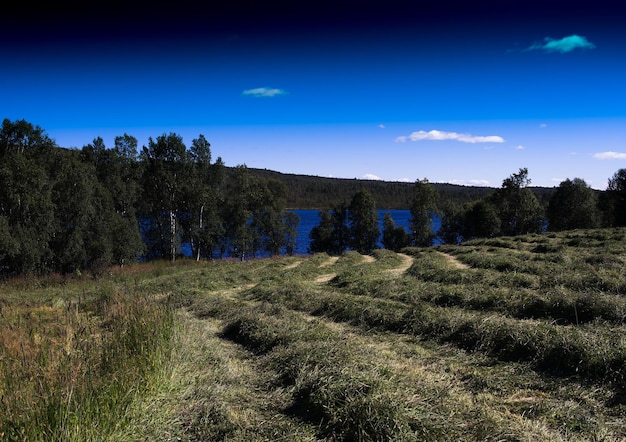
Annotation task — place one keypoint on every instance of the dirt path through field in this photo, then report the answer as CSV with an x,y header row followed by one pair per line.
x,y
407,262
454,262
328,276
224,391
293,265
332,260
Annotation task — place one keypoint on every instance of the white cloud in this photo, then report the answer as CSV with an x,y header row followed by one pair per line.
x,y
565,44
382,126
610,156
370,176
436,135
519,147
264,92
480,183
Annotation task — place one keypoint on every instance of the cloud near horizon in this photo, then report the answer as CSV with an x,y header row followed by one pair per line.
x,y
436,135
371,176
610,156
481,183
565,44
264,92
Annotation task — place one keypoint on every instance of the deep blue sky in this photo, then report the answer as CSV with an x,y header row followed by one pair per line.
x,y
462,92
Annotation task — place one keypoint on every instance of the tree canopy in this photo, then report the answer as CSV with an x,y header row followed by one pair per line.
x,y
574,205
69,210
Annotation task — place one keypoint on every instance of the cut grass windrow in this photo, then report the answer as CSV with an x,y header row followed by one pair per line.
x,y
341,383
594,352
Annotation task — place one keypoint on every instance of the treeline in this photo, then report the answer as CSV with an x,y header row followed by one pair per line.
x,y
355,225
313,192
69,210
514,209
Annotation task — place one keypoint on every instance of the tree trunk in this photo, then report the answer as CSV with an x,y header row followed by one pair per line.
x,y
172,235
199,230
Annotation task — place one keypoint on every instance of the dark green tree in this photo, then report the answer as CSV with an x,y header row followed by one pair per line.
x,y
518,208
423,207
21,137
363,222
26,207
613,200
165,172
451,224
573,206
332,235
321,236
268,215
292,221
126,148
480,220
394,237
118,173
204,193
28,212
341,229
241,238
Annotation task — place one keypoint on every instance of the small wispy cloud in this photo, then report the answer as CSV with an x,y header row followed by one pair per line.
x,y
371,176
610,156
519,147
382,126
480,183
437,135
563,45
543,125
264,92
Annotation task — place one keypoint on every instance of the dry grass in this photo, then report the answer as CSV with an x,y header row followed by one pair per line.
x,y
525,345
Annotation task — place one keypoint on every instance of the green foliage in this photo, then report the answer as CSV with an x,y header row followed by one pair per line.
x,y
423,206
613,200
332,235
394,237
518,208
363,221
573,206
322,234
315,193
511,210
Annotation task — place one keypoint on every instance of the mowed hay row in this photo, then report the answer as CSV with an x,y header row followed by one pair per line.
x,y
595,352
432,279
354,386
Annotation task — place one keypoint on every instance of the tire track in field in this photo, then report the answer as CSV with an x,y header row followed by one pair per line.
x,y
432,379
453,261
327,276
407,262
224,393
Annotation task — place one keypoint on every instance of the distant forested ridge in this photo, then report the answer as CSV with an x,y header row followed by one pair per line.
x,y
314,192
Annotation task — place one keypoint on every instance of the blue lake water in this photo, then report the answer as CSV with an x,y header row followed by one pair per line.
x,y
310,219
